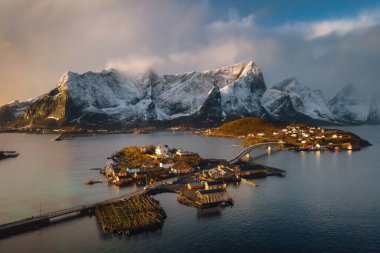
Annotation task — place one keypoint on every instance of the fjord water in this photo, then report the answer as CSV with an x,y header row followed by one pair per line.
x,y
328,202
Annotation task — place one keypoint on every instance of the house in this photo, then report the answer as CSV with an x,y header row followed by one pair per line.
x,y
184,152
162,150
195,186
134,170
123,179
217,173
181,167
149,165
140,174
166,164
215,185
220,172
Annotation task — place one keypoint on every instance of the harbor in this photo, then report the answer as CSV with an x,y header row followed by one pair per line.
x,y
137,212
256,211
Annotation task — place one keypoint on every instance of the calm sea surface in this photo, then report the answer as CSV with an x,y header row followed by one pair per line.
x,y
329,202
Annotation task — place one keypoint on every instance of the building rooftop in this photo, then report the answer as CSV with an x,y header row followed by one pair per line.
x,y
204,192
219,182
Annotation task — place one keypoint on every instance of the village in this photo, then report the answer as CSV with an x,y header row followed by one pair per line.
x,y
297,137
199,182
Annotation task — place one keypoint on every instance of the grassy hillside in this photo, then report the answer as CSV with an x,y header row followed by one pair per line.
x,y
246,126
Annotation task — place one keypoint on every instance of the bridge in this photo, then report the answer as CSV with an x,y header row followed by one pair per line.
x,y
43,220
250,149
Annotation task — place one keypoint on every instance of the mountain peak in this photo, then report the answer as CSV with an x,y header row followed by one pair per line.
x,y
288,84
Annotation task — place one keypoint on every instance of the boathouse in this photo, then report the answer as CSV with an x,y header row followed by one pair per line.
x,y
210,197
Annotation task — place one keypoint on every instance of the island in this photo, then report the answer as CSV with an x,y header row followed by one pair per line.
x,y
298,137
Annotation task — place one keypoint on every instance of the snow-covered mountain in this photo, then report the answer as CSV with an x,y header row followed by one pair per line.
x,y
111,99
374,112
13,110
350,104
290,100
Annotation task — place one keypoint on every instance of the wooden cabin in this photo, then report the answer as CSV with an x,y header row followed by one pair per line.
x,y
181,167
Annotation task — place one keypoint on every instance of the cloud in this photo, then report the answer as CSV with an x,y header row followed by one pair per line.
x,y
340,27
40,40
135,64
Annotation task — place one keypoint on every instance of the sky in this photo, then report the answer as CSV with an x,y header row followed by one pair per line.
x,y
324,44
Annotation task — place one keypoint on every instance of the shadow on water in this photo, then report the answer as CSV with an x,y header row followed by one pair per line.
x,y
209,212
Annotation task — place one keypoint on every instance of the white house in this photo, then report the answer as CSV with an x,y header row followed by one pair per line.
x,y
162,150
166,164
184,152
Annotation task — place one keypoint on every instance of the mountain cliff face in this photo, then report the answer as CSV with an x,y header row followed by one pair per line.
x,y
290,100
13,110
110,99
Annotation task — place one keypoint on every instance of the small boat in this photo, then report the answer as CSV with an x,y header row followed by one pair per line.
x,y
8,154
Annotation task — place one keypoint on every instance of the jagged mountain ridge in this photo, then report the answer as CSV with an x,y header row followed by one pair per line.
x,y
110,99
292,101
351,104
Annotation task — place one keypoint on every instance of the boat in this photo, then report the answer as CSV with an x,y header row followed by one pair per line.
x,y
8,154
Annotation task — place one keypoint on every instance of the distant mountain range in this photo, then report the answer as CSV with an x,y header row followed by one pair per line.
x,y
113,100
